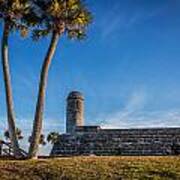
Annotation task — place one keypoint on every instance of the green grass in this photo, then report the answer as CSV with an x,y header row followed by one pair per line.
x,y
165,168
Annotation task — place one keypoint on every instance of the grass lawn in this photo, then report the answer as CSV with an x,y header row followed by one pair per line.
x,y
92,168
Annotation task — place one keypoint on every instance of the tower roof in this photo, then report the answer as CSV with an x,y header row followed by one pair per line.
x,y
75,95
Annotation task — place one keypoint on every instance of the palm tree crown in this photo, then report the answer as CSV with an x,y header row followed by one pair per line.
x,y
18,134
53,137
42,140
13,13
62,16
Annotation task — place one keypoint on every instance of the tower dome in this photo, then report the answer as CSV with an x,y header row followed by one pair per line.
x,y
75,95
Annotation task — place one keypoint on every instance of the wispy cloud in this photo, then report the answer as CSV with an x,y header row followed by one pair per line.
x,y
135,115
141,119
118,20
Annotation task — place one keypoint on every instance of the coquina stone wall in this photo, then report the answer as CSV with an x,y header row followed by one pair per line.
x,y
88,140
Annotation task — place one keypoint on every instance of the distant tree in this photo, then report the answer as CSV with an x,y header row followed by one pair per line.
x,y
7,137
59,17
11,13
53,137
18,134
42,140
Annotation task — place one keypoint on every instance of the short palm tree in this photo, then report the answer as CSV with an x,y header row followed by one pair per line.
x,y
59,17
18,134
11,13
53,137
42,140
7,137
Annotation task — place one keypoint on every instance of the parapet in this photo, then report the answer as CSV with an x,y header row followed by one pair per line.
x,y
87,129
75,95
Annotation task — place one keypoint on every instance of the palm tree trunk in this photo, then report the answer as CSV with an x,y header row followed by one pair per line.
x,y
37,125
8,91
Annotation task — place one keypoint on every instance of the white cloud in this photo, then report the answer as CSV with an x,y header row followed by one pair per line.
x,y
135,115
142,119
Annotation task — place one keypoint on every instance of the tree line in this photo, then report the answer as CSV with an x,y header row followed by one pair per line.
x,y
39,18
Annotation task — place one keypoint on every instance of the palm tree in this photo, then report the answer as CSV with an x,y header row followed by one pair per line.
x,y
42,140
11,12
7,138
69,17
53,137
18,134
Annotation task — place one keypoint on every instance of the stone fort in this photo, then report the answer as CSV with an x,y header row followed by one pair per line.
x,y
80,139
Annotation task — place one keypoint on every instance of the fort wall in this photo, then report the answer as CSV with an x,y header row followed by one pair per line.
x,y
88,140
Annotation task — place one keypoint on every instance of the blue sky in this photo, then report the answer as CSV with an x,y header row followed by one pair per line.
x,y
128,69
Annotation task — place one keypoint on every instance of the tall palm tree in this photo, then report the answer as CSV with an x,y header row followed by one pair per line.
x,y
69,17
11,12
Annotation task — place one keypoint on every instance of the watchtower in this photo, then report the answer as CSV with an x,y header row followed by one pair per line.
x,y
75,111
